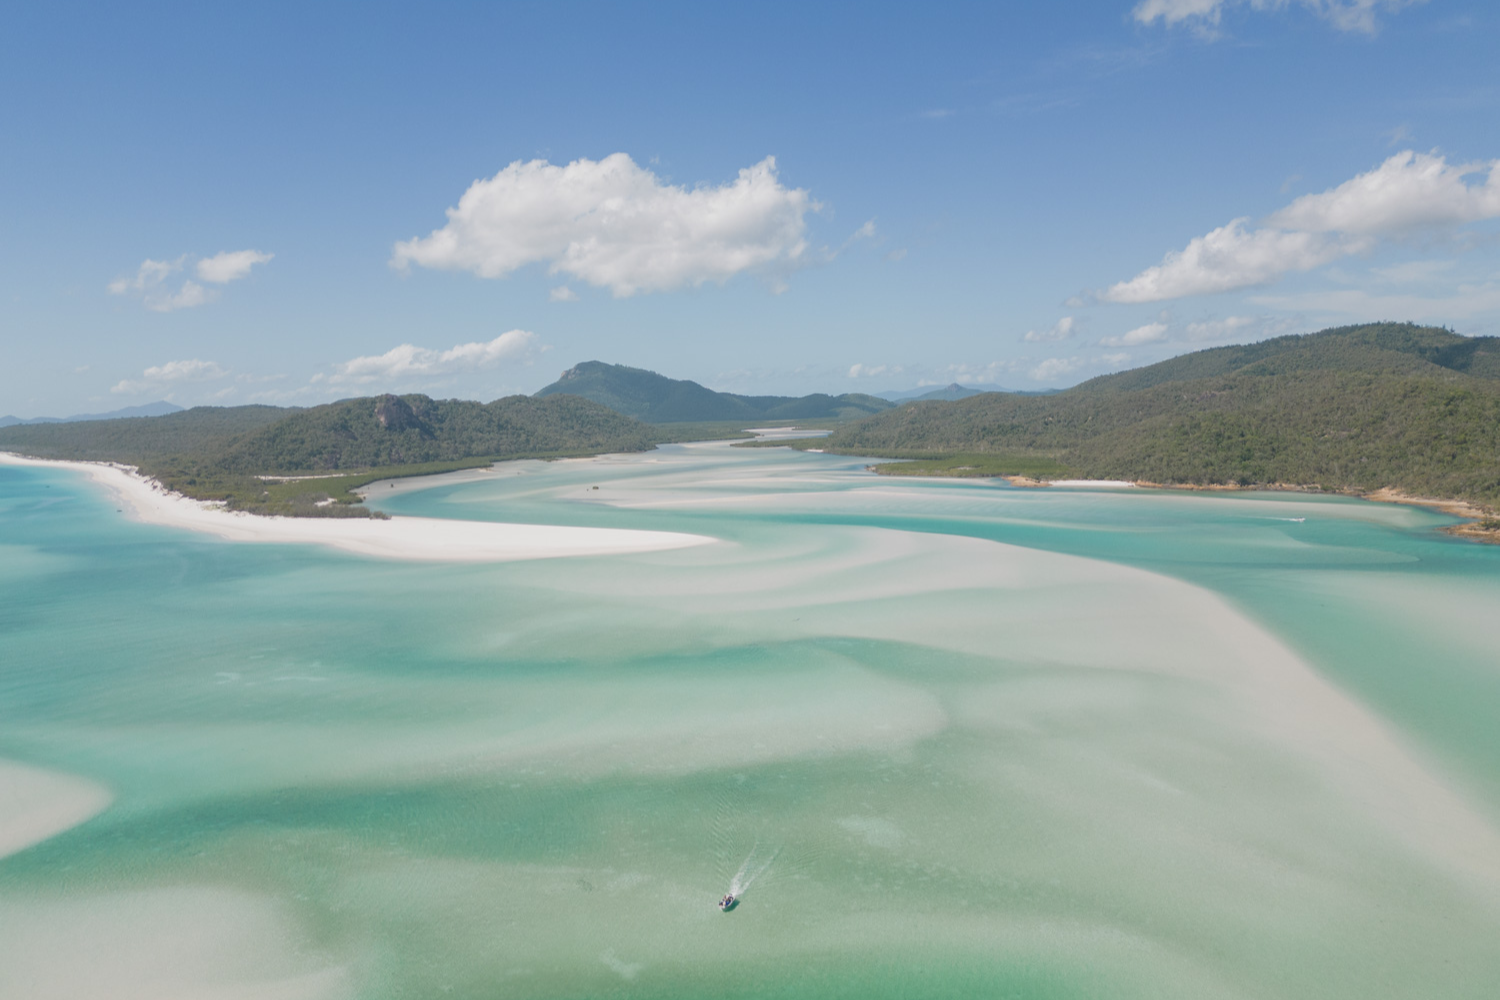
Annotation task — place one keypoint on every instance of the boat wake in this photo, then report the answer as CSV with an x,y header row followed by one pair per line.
x,y
755,865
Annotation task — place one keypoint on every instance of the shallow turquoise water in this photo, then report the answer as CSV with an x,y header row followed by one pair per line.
x,y
1098,758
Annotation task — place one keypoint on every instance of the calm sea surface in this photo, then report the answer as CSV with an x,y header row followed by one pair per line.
x,y
946,739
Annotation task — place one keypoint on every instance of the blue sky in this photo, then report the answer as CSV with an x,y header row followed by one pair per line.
x,y
208,203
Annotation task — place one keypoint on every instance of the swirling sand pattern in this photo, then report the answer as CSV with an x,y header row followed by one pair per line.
x,y
992,742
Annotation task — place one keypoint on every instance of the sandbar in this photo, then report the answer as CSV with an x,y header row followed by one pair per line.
x,y
425,539
1092,484
36,804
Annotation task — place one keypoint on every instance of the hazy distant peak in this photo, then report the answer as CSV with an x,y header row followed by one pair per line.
x,y
954,390
158,409
654,398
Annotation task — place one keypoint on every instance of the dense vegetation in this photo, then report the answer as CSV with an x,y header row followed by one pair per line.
x,y
138,440
405,430
1354,408
975,466
656,399
252,457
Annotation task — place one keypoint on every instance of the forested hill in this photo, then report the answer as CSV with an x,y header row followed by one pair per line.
x,y
406,430
224,453
133,440
656,399
1383,348
1352,408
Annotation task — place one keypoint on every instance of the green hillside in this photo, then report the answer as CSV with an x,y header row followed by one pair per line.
x,y
1354,408
234,454
818,406
134,440
645,395
656,399
406,430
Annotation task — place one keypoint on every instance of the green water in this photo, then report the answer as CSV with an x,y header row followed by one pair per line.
x,y
950,738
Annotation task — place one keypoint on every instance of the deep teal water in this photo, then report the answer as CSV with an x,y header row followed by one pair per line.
x,y
946,767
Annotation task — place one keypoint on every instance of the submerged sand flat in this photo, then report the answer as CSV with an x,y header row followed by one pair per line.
x,y
935,764
162,944
426,539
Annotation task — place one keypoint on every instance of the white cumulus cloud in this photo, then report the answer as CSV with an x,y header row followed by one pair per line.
x,y
1148,334
1205,15
562,293
1407,192
149,275
165,376
1218,329
615,225
190,294
966,373
152,279
1227,258
1051,368
409,361
1061,330
230,265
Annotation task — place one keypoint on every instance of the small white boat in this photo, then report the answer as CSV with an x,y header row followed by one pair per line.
x,y
728,902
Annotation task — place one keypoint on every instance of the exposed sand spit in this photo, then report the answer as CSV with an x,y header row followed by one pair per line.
x,y
412,538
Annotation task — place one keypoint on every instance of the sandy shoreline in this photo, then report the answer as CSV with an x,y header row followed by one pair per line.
x,y
1076,484
1458,508
1477,520
409,538
1477,524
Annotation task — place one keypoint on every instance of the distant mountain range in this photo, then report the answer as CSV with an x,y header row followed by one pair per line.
x,y
956,391
656,399
926,392
148,410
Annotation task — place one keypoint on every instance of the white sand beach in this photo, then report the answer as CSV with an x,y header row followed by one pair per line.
x,y
410,538
1091,484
